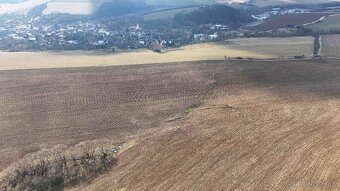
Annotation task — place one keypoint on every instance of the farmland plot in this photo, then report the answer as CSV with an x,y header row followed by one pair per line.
x,y
265,3
328,25
331,45
285,21
274,47
196,126
42,108
261,48
267,126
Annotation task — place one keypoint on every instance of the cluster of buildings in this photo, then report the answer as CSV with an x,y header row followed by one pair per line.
x,y
38,34
277,12
213,32
42,33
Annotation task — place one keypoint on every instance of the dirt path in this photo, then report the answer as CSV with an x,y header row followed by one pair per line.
x,y
320,46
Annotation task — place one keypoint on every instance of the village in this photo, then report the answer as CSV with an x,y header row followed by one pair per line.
x,y
34,34
37,33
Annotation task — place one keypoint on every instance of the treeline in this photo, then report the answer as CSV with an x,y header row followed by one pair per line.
x,y
215,14
115,8
56,168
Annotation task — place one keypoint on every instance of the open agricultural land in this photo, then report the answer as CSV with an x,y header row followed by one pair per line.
x,y
208,125
178,3
285,21
330,24
264,3
42,108
331,45
274,47
260,48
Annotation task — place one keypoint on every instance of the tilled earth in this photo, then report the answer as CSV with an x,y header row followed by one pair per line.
x,y
42,108
243,125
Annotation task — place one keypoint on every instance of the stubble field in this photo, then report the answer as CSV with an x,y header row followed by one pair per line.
x,y
330,24
285,21
331,45
274,47
209,125
264,3
256,48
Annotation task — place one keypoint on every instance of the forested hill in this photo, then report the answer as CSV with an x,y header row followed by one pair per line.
x,y
220,14
120,7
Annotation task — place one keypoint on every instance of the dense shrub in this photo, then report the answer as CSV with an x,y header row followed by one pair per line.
x,y
116,8
216,14
56,168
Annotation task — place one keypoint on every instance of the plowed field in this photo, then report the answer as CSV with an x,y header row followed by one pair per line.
x,y
285,21
236,125
331,45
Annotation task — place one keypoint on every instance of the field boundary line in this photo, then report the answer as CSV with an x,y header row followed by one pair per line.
x,y
320,46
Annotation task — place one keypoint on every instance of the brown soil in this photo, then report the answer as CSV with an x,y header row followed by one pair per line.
x,y
250,126
331,45
285,21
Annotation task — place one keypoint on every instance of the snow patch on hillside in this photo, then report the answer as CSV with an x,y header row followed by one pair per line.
x,y
83,7
20,8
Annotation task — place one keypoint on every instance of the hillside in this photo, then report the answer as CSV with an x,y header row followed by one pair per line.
x,y
20,8
75,7
58,6
209,125
220,14
147,95
88,7
176,3
263,3
120,7
265,126
11,1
